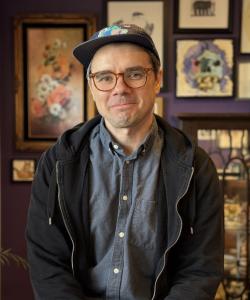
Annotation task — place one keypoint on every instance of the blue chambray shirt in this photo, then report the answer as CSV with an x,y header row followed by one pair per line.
x,y
123,214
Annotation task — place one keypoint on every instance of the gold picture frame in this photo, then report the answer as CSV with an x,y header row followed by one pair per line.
x,y
51,92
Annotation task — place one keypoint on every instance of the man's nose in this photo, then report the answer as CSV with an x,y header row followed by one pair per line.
x,y
121,84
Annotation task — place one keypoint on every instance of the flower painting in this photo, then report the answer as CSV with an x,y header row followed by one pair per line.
x,y
56,87
204,68
51,93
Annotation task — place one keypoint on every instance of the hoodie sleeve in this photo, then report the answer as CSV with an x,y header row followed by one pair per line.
x,y
49,251
197,259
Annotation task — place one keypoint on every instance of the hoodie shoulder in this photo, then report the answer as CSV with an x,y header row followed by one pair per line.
x,y
73,140
179,146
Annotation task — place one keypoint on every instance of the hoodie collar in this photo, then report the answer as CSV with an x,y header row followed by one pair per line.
x,y
178,146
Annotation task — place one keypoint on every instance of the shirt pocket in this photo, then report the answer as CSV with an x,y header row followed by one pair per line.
x,y
142,231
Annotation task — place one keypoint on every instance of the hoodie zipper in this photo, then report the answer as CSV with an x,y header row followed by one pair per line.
x,y
178,236
64,217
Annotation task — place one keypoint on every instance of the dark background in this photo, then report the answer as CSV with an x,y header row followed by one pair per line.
x,y
15,196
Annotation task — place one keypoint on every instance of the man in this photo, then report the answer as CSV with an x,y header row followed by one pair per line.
x,y
125,206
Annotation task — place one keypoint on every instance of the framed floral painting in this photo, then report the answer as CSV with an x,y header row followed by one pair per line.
x,y
51,92
204,68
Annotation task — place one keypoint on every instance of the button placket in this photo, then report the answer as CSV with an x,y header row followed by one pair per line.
x,y
115,278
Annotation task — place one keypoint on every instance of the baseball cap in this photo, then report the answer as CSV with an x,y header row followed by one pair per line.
x,y
129,33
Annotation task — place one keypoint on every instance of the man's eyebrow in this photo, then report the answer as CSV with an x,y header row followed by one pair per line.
x,y
134,68
127,69
102,71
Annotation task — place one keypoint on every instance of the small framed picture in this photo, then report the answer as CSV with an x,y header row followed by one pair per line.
x,y
205,16
243,81
149,15
245,28
23,170
204,68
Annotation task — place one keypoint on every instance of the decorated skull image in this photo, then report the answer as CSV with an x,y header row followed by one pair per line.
x,y
205,67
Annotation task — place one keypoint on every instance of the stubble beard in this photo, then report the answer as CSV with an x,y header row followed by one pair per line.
x,y
122,120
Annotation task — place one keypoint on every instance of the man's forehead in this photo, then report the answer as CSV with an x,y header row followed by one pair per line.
x,y
106,52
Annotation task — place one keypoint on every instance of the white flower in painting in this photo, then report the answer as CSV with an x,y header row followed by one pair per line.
x,y
58,111
42,91
45,86
57,43
64,44
54,84
62,114
41,97
46,78
55,109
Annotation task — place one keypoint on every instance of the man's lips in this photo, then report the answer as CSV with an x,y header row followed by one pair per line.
x,y
122,105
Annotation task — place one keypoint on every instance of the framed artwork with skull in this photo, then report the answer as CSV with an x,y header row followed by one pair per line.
x,y
203,16
146,14
204,68
51,92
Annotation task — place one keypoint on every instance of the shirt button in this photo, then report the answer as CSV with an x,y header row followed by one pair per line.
x,y
121,234
127,162
116,271
125,198
116,146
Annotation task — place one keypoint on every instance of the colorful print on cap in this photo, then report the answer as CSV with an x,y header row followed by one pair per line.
x,y
112,30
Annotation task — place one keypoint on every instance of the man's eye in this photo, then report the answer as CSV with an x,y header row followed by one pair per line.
x,y
104,77
135,75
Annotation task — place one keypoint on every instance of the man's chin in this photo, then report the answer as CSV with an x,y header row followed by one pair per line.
x,y
121,122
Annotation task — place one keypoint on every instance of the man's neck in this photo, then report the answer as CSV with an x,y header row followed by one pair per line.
x,y
130,138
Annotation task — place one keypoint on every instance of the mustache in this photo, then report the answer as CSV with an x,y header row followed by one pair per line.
x,y
122,100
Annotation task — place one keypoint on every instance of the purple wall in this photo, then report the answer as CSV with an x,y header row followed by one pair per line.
x,y
14,196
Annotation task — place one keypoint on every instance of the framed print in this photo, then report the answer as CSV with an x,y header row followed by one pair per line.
x,y
245,28
147,14
205,16
51,92
23,170
243,81
204,68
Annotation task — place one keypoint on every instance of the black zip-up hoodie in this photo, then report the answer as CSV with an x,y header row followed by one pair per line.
x,y
58,222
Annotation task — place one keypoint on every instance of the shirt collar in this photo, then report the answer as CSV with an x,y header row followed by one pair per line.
x,y
112,146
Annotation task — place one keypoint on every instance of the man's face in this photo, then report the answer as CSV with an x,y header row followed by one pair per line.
x,y
123,106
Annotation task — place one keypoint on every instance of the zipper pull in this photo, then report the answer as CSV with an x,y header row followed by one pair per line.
x,y
191,230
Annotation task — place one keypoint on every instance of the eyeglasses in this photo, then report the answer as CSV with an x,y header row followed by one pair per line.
x,y
133,77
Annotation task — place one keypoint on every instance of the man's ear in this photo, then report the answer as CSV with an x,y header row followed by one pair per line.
x,y
158,82
90,84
